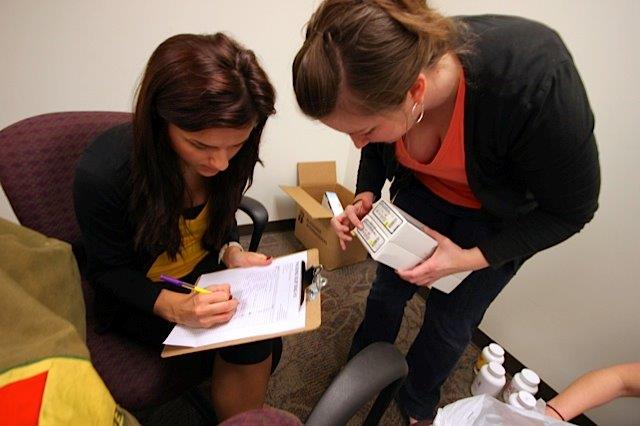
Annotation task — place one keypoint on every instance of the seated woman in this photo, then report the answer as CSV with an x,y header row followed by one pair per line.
x,y
159,196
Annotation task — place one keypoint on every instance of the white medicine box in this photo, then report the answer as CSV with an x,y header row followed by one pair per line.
x,y
396,239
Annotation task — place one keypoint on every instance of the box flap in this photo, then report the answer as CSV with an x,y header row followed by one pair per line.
x,y
307,202
317,173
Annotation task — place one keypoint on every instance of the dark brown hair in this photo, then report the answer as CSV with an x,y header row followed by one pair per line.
x,y
195,82
374,49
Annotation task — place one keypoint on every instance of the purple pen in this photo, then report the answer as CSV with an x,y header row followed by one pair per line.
x,y
174,281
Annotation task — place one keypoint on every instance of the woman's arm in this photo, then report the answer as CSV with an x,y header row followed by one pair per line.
x,y
556,157
371,170
596,388
102,210
233,255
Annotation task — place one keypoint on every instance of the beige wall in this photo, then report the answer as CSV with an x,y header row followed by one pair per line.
x,y
571,309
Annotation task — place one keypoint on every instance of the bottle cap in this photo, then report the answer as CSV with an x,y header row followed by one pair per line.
x,y
496,369
530,377
496,349
526,399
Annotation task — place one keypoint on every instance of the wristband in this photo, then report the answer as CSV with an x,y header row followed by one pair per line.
x,y
557,412
224,248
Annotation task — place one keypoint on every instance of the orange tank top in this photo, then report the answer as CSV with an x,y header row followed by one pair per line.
x,y
446,174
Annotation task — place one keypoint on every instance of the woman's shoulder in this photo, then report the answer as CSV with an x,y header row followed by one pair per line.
x,y
508,52
495,22
511,33
108,156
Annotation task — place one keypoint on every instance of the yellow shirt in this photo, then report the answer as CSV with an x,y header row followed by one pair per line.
x,y
191,250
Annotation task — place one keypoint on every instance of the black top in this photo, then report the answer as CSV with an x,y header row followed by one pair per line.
x,y
102,192
531,156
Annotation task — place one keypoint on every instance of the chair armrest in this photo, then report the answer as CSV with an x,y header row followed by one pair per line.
x,y
380,368
259,216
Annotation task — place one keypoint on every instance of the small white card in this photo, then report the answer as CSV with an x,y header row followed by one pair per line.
x,y
331,202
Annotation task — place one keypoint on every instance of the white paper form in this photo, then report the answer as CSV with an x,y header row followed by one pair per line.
x,y
269,302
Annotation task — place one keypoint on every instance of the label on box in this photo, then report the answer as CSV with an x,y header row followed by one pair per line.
x,y
371,235
387,217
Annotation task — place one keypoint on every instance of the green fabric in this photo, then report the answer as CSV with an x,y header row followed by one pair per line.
x,y
41,307
42,311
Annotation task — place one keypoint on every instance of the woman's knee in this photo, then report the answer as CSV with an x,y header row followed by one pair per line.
x,y
254,352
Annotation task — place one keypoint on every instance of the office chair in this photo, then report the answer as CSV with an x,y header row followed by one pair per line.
x,y
38,156
379,369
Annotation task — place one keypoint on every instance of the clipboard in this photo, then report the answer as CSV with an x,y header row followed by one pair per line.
x,y
311,289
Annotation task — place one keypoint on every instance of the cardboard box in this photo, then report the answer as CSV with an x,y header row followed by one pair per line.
x,y
313,226
395,238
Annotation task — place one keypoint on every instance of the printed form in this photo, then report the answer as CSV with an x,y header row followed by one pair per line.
x,y
269,302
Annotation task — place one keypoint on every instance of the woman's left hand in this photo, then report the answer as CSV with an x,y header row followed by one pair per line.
x,y
448,258
236,258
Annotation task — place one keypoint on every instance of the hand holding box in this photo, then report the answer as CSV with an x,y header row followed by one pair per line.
x,y
396,239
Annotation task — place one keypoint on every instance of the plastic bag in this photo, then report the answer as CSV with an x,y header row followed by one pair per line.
x,y
484,410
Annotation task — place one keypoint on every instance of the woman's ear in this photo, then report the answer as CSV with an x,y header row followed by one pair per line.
x,y
418,89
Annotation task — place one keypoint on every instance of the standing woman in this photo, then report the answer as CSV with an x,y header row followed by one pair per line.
x,y
482,124
159,196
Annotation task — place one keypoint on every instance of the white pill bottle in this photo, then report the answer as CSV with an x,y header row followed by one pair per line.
x,y
490,380
526,380
490,353
522,399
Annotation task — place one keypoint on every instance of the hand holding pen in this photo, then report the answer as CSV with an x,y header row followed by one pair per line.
x,y
203,308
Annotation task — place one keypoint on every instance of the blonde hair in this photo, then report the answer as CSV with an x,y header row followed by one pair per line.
x,y
371,49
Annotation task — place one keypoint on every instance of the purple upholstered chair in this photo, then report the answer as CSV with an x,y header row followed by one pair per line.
x,y
38,156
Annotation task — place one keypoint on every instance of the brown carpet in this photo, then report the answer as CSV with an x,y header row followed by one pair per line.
x,y
311,360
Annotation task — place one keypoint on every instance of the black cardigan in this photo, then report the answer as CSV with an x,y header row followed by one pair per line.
x,y
102,192
531,156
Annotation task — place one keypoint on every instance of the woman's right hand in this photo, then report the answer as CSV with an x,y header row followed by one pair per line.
x,y
197,310
343,223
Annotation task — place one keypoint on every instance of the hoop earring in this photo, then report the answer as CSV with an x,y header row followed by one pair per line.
x,y
413,110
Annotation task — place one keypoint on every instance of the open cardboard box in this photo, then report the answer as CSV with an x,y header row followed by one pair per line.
x,y
313,227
